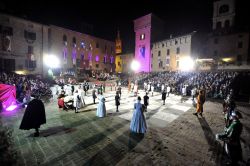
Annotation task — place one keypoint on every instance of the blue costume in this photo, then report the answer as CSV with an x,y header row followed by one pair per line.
x,y
101,108
138,122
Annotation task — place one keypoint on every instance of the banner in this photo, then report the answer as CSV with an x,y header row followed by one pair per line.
x,y
7,95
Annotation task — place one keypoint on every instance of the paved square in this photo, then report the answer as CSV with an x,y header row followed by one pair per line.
x,y
83,139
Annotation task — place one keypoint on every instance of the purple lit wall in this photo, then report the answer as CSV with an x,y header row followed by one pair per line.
x,y
142,28
65,54
97,58
74,55
8,97
90,56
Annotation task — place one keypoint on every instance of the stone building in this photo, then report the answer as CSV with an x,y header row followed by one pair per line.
x,y
227,44
148,29
81,51
118,52
22,44
169,54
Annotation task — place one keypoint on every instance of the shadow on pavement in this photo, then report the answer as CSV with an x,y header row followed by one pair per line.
x,y
114,152
215,147
87,143
58,130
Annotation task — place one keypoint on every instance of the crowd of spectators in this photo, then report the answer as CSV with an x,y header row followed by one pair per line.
x,y
26,86
216,84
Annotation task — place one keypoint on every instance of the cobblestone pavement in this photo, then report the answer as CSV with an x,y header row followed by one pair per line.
x,y
174,136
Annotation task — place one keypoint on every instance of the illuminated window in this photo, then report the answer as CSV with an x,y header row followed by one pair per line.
x,y
142,36
82,44
97,58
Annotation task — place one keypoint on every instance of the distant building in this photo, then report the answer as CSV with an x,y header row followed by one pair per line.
x,y
24,44
81,51
148,29
167,54
118,52
227,44
127,58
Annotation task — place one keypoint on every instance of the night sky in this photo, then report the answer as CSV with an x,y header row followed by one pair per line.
x,y
180,16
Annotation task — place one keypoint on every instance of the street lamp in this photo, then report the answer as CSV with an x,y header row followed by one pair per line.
x,y
135,65
52,62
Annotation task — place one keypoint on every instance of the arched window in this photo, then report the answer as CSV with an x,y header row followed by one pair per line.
x,y
64,38
218,25
224,9
74,41
227,24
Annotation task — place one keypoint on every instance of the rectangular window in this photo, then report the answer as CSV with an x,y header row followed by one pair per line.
x,y
167,61
240,44
216,41
178,50
176,42
142,36
97,45
177,64
215,53
29,35
30,49
159,53
7,31
97,65
168,52
152,55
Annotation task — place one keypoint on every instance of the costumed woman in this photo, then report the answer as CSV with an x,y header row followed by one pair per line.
x,y
101,108
138,122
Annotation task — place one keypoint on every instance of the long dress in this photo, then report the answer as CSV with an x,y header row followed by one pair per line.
x,y
34,115
138,122
101,108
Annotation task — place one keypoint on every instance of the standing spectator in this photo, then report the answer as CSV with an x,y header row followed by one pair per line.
x,y
94,95
72,89
101,108
168,90
163,96
117,101
146,101
120,91
77,101
193,93
152,90
138,122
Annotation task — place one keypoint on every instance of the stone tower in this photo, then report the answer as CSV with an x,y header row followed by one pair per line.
x,y
223,14
118,51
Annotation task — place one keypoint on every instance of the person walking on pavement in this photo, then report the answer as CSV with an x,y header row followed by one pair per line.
x,y
138,122
146,101
163,96
77,101
94,95
117,101
101,108
152,90
168,90
200,102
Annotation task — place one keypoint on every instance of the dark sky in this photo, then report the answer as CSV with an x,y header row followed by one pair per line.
x,y
106,16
